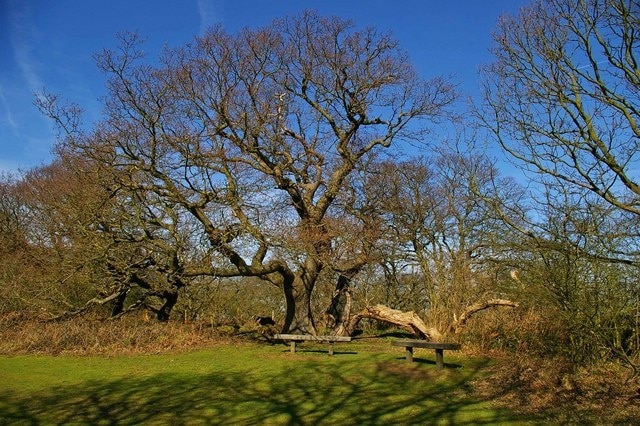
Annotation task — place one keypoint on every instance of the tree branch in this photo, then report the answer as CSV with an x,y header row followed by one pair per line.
x,y
461,322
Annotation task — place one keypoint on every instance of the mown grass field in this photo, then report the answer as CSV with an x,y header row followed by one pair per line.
x,y
366,382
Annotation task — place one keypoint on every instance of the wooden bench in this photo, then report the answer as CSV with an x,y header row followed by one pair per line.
x,y
439,347
294,338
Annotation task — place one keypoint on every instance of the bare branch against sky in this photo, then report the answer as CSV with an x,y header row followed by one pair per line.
x,y
51,45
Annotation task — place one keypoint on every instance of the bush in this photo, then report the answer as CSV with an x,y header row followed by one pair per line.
x,y
92,336
565,394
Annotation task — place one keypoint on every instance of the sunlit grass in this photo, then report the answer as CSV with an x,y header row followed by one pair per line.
x,y
246,383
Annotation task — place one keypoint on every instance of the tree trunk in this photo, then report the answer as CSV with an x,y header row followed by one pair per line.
x,y
118,302
339,311
170,300
409,321
298,315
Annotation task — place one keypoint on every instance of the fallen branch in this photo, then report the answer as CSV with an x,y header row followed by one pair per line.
x,y
409,321
461,322
96,301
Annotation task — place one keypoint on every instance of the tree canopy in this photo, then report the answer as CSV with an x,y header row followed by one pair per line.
x,y
246,144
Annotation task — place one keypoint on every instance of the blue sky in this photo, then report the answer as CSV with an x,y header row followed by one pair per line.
x,y
49,44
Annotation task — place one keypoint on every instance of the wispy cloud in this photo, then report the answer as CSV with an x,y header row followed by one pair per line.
x,y
23,36
26,135
6,116
208,11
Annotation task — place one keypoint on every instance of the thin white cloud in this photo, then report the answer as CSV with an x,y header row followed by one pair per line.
x,y
27,134
23,35
6,116
208,11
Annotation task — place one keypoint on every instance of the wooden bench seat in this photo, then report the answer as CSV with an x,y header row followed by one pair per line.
x,y
294,338
438,346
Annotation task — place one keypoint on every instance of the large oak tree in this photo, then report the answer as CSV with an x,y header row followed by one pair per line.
x,y
249,141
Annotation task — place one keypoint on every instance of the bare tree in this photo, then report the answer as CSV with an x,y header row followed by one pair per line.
x,y
84,245
562,100
14,248
562,95
442,241
251,139
13,224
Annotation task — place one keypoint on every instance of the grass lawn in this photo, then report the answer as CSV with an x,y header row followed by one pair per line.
x,y
366,382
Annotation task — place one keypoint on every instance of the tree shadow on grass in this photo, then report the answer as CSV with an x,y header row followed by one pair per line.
x,y
305,392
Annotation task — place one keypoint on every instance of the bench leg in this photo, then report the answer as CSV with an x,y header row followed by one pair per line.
x,y
409,353
439,359
293,346
330,348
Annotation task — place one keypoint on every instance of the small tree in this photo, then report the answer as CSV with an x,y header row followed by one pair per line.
x,y
442,244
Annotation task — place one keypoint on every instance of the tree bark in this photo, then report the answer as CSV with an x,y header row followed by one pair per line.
x,y
170,300
338,313
118,302
298,314
409,321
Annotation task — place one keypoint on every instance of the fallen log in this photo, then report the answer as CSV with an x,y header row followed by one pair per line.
x,y
409,321
459,324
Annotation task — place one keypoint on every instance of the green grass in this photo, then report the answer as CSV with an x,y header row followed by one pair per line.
x,y
247,383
